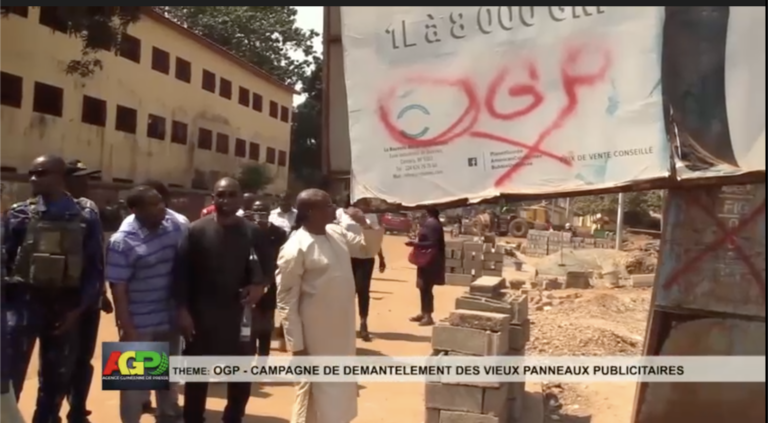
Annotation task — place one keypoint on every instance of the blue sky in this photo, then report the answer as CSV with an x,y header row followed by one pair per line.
x,y
310,18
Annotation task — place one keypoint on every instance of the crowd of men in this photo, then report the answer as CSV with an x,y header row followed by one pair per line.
x,y
172,280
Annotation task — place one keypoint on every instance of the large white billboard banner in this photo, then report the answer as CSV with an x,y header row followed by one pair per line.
x,y
468,102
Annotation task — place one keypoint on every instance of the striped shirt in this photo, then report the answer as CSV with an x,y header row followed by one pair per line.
x,y
168,212
143,261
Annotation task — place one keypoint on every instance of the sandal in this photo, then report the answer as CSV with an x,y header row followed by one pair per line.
x,y
417,318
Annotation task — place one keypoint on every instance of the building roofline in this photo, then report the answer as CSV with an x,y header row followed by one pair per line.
x,y
217,49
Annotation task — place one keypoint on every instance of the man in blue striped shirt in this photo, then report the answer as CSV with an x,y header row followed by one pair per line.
x,y
140,258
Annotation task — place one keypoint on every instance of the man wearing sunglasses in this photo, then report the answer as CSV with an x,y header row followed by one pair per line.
x,y
55,263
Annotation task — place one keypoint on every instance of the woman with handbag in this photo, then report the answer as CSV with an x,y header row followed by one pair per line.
x,y
428,255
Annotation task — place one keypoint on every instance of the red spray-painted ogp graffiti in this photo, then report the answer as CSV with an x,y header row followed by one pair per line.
x,y
572,75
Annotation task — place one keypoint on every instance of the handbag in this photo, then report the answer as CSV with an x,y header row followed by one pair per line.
x,y
421,257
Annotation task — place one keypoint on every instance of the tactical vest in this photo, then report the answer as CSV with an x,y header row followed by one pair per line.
x,y
52,253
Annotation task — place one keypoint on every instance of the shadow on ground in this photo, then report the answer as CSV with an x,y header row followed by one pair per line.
x,y
216,415
365,352
567,418
402,337
219,390
389,280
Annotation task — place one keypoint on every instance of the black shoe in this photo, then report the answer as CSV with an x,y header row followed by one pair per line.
x,y
364,334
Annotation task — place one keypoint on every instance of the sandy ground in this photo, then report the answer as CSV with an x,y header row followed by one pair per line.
x,y
394,299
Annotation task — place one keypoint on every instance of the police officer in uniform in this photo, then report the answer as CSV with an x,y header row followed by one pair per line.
x,y
88,325
55,262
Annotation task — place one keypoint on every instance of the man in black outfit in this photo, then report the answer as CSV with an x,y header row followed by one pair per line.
x,y
268,239
216,280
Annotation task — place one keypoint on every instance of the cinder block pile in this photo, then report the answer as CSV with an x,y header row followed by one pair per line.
x,y
488,321
466,261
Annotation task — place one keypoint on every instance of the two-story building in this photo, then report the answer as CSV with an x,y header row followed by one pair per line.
x,y
169,105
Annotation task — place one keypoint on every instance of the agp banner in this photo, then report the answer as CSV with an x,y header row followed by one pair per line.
x,y
714,82
469,102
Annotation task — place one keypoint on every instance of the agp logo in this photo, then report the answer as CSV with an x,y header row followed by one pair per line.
x,y
135,366
151,362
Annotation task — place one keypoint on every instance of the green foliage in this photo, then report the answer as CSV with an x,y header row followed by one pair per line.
x,y
306,133
264,36
642,202
254,177
98,27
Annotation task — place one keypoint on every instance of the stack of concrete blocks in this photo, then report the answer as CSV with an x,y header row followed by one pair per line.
x,y
473,259
493,260
488,321
454,264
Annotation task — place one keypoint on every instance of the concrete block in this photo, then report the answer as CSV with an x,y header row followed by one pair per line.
x,y
455,279
487,285
515,390
493,257
642,281
473,247
519,313
489,239
455,244
453,398
487,247
472,264
578,280
457,417
469,341
495,273
493,265
471,302
495,401
516,283
519,335
494,322
452,262
431,415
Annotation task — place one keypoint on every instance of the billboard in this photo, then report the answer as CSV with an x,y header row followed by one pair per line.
x,y
714,82
447,103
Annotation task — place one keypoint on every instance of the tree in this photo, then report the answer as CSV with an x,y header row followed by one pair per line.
x,y
98,27
254,177
640,202
306,132
264,36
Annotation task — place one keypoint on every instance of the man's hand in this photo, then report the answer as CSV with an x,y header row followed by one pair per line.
x,y
252,294
186,325
357,216
68,322
106,304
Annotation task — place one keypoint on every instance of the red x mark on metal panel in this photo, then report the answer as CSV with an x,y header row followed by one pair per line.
x,y
729,236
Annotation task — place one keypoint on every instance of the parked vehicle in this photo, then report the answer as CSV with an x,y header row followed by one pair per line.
x,y
396,223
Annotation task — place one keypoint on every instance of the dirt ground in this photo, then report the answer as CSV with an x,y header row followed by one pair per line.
x,y
609,320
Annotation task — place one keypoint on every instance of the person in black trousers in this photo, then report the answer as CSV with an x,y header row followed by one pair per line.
x,y
269,238
431,238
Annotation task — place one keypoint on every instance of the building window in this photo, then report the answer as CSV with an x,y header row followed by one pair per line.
x,y
244,97
48,100
183,70
240,147
258,102
225,88
11,90
204,139
209,81
285,114
50,17
125,119
254,151
22,11
161,60
94,111
271,155
130,48
222,143
156,127
282,158
178,132
274,109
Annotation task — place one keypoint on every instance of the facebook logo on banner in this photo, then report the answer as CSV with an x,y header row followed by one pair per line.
x,y
472,162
